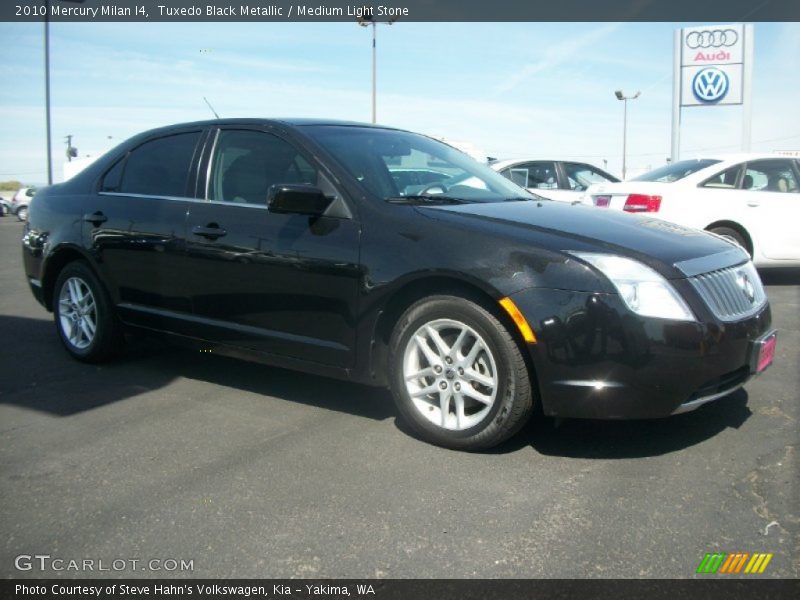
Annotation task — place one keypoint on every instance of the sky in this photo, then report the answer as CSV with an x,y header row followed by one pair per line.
x,y
510,89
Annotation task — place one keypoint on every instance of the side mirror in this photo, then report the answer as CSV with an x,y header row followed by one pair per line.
x,y
297,199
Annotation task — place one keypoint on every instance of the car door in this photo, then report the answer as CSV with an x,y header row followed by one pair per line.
x,y
135,228
772,192
540,177
284,284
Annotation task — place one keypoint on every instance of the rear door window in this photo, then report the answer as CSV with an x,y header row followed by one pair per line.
x,y
159,167
726,180
581,176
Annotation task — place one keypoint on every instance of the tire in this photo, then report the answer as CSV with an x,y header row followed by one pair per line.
x,y
478,400
74,313
732,235
22,213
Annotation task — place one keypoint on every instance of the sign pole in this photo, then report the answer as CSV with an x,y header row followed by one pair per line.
x,y
747,88
676,95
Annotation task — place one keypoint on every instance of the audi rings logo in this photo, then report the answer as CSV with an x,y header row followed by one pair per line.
x,y
712,38
710,85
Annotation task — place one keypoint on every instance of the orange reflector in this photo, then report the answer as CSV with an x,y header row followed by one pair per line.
x,y
522,324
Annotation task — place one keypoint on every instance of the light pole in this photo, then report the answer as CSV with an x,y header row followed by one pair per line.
x,y
47,91
624,98
47,86
366,21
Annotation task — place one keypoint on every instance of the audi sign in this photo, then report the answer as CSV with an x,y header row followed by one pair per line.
x,y
712,45
711,65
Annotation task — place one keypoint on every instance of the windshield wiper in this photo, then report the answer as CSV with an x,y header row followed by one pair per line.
x,y
418,199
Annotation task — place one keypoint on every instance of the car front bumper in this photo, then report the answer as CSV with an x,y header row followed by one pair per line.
x,y
594,358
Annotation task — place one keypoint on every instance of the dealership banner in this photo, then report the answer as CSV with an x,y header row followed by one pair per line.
x,y
400,589
409,10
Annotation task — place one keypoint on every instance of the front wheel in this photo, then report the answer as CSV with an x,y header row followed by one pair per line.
x,y
457,376
22,213
85,322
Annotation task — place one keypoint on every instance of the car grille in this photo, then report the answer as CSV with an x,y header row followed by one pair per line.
x,y
733,293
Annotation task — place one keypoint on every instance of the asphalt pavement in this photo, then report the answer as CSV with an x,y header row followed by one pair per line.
x,y
250,471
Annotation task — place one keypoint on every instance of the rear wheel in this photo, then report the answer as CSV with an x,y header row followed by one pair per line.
x,y
22,213
457,375
733,235
85,322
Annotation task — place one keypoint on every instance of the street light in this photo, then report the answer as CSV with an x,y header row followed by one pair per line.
x,y
47,86
624,98
365,21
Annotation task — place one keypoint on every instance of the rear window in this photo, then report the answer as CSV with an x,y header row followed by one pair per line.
x,y
159,167
675,171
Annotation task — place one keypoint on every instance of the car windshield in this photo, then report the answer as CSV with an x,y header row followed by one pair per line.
x,y
676,171
410,168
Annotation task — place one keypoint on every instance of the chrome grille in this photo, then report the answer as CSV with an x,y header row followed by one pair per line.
x,y
733,293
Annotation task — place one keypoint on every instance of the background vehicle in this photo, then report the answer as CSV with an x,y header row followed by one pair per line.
x,y
753,200
291,243
554,179
20,202
5,207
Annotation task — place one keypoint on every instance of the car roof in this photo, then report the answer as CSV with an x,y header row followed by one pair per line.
x,y
736,157
505,162
290,122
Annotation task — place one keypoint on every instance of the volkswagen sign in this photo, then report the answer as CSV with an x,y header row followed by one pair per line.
x,y
710,85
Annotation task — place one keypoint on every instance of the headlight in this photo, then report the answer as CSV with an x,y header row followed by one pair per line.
x,y
644,291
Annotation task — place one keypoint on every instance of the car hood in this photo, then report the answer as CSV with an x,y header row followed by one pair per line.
x,y
673,250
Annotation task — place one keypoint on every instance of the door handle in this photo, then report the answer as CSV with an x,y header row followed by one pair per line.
x,y
210,231
753,203
95,218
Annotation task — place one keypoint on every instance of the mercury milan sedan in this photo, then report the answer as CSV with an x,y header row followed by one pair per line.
x,y
291,243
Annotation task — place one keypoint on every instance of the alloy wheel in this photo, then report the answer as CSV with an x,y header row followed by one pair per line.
x,y
450,374
77,311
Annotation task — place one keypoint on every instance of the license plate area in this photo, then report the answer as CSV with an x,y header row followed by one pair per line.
x,y
763,352
602,201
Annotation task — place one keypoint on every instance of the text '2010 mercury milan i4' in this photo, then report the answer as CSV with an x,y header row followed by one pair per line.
x,y
297,243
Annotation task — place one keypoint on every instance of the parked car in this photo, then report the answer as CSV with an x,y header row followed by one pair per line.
x,y
290,243
5,207
752,200
554,179
21,201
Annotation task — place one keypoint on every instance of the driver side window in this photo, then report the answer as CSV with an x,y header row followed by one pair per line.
x,y
534,175
247,163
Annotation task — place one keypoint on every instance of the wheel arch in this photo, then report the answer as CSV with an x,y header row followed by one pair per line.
x,y
431,285
57,260
737,227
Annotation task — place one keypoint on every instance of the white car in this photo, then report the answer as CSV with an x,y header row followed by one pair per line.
x,y
554,179
20,202
752,200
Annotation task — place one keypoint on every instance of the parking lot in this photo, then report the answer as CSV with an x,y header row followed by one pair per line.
x,y
249,471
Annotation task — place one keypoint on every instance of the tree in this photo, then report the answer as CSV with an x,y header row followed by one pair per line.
x,y
12,185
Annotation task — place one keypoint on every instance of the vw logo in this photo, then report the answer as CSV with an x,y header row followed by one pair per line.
x,y
710,85
746,286
712,38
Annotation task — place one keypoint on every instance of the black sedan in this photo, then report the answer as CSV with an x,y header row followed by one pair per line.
x,y
292,243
